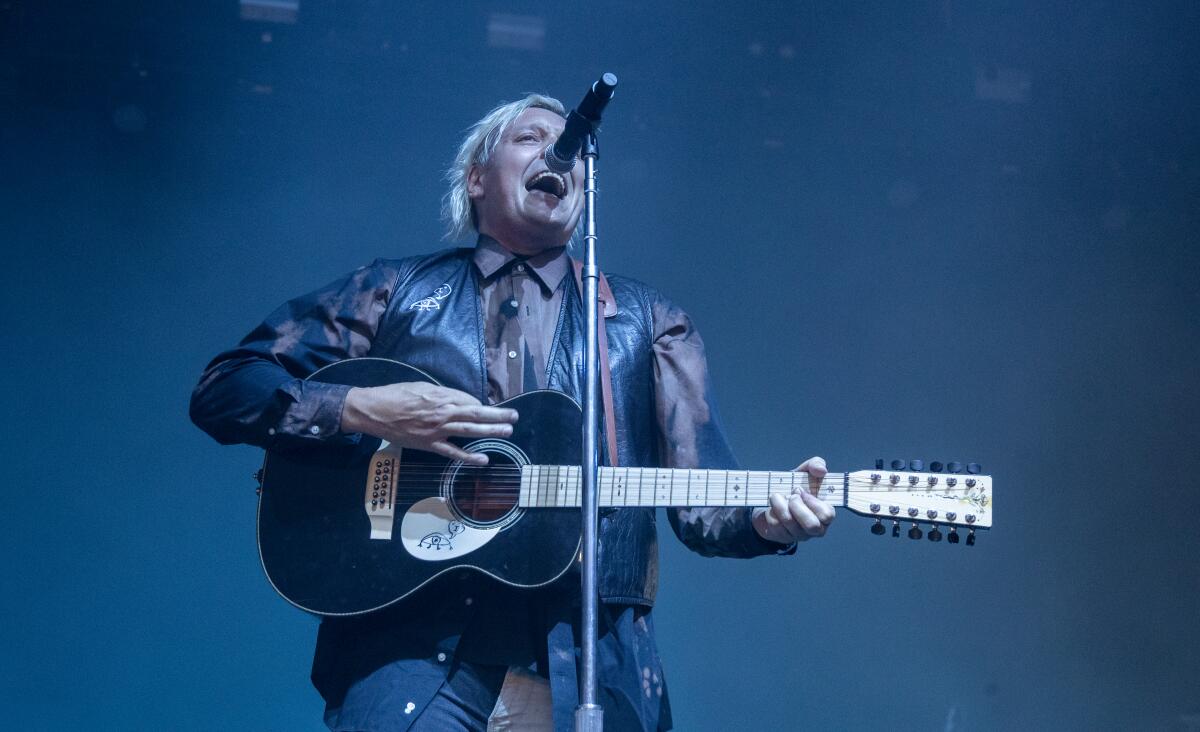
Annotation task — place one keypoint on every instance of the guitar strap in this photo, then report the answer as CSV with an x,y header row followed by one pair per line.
x,y
609,303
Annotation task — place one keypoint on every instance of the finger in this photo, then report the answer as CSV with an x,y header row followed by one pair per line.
x,y
821,509
479,413
780,515
804,516
474,429
454,452
447,395
816,469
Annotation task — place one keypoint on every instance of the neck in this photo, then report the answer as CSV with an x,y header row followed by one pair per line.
x,y
524,245
559,486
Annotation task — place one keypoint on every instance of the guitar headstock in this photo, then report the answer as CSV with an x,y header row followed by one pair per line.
x,y
950,495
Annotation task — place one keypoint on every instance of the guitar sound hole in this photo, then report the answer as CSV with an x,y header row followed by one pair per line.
x,y
486,495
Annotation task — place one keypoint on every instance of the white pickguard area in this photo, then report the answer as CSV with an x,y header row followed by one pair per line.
x,y
432,532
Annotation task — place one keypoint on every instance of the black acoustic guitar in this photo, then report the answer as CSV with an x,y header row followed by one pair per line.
x,y
350,529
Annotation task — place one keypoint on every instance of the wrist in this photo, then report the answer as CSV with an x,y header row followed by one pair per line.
x,y
352,419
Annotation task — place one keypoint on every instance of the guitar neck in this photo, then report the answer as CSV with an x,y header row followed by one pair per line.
x,y
559,486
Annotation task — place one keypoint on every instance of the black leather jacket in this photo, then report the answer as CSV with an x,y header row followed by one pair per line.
x,y
425,311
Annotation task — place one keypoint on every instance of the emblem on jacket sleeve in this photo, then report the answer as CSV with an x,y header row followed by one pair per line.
x,y
433,302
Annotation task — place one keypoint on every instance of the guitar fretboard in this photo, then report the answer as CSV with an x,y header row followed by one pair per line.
x,y
558,486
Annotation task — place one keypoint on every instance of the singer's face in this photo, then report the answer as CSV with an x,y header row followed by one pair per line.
x,y
517,200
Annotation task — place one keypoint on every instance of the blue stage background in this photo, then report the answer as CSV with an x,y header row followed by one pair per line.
x,y
938,229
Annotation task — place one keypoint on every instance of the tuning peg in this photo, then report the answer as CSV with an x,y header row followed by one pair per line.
x,y
952,537
936,467
971,537
916,465
973,468
954,467
914,532
877,528
934,534
879,463
895,529
899,465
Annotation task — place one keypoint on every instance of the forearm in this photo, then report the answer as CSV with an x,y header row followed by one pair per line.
x,y
257,402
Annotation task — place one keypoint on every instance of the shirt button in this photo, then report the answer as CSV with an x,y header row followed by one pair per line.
x,y
409,707
513,303
271,431
316,430
441,658
512,354
470,600
520,268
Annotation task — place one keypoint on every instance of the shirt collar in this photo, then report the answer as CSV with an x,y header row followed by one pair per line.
x,y
548,267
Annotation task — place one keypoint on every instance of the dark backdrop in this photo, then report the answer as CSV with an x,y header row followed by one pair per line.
x,y
932,229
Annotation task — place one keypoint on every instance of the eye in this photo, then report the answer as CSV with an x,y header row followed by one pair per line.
x,y
527,137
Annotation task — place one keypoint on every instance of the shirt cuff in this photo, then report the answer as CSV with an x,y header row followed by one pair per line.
x,y
316,414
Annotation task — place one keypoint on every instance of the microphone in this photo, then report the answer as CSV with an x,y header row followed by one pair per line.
x,y
581,122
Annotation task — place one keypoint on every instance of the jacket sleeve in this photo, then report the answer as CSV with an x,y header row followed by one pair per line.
x,y
691,436
256,393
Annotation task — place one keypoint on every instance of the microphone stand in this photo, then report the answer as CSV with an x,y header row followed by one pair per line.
x,y
589,716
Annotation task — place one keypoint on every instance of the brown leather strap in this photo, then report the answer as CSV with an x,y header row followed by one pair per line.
x,y
609,304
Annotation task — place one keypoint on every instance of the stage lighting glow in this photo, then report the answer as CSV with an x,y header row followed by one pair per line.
x,y
270,11
524,32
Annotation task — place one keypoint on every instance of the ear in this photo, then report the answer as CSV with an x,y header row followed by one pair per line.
x,y
474,182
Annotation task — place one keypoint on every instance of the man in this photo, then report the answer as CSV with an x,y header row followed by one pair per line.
x,y
468,653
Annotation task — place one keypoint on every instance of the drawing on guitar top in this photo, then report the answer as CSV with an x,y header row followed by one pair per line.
x,y
441,540
351,528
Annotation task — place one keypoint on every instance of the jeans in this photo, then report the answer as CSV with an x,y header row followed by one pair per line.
x,y
474,698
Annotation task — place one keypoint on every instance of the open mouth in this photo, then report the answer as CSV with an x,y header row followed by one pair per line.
x,y
548,182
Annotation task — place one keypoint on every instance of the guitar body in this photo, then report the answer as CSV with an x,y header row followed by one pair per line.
x,y
350,529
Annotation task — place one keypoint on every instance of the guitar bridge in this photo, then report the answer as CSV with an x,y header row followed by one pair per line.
x,y
380,496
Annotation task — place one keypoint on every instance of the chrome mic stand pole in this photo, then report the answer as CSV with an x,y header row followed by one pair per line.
x,y
579,136
589,716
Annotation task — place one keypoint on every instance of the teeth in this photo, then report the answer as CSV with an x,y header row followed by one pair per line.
x,y
560,183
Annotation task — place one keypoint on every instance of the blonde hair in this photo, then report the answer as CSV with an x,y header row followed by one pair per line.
x,y
476,149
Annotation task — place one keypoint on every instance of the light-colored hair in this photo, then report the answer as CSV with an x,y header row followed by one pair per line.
x,y
476,149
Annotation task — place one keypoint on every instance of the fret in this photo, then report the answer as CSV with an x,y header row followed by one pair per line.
x,y
777,481
739,487
560,496
707,475
616,492
641,476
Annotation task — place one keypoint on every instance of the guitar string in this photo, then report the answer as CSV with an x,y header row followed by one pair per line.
x,y
755,476
832,483
502,485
